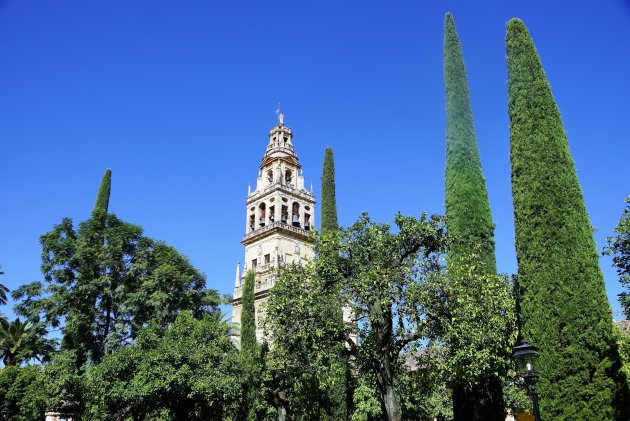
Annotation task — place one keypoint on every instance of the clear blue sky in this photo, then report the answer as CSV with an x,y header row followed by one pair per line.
x,y
177,99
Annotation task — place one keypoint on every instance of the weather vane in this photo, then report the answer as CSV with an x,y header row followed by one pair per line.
x,y
280,115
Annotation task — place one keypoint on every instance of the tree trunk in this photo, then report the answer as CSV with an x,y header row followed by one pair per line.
x,y
388,397
384,378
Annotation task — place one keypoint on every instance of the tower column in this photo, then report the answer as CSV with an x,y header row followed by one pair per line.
x,y
278,208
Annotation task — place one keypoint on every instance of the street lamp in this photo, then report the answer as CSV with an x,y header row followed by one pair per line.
x,y
5,413
526,358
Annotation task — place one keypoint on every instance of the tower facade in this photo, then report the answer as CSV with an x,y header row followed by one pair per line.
x,y
280,212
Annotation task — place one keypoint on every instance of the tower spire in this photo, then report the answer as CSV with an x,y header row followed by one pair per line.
x,y
237,282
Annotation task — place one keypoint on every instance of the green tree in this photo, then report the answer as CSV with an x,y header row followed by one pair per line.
x,y
563,303
248,316
619,248
329,201
190,371
472,325
23,392
341,393
469,221
106,280
378,274
30,390
23,341
469,218
250,349
104,191
303,363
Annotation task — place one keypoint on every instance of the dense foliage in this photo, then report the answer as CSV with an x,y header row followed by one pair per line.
x,y
306,337
469,222
619,248
189,371
563,303
472,326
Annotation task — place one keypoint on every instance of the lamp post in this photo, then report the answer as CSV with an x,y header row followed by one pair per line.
x,y
5,413
526,358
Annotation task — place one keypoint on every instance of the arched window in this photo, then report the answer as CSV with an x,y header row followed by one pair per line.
x,y
307,221
261,212
284,215
270,176
295,217
288,177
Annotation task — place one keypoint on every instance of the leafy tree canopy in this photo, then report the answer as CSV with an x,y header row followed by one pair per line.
x,y
188,372
102,283
374,271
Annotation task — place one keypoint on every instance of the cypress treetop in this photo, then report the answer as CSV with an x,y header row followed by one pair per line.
x,y
564,308
329,201
468,212
102,198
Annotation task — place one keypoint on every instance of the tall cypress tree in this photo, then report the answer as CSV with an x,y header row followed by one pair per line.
x,y
468,213
248,316
249,346
467,204
329,201
102,198
78,334
341,393
564,308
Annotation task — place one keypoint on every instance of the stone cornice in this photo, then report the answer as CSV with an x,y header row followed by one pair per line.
x,y
273,228
300,194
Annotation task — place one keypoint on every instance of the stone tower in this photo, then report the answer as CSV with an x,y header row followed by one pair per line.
x,y
279,214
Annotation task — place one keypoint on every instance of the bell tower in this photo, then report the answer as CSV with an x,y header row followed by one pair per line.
x,y
279,212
